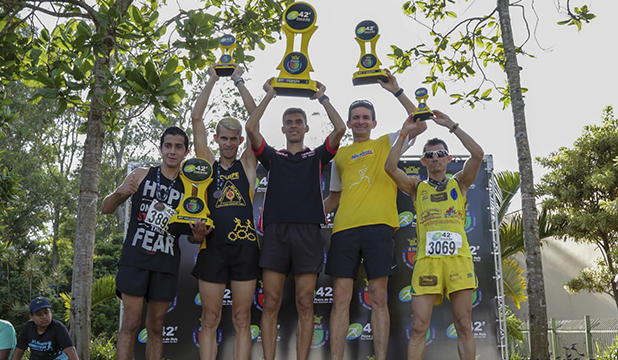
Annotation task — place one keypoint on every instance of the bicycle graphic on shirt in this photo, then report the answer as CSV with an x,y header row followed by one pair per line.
x,y
241,232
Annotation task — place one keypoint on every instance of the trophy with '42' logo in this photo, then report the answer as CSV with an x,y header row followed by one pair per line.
x,y
293,79
368,65
196,175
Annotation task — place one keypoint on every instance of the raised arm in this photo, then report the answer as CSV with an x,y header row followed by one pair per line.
x,y
252,125
471,167
124,191
339,126
247,158
247,99
410,128
200,138
393,87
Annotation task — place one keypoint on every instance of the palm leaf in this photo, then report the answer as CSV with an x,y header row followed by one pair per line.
x,y
508,184
514,282
102,289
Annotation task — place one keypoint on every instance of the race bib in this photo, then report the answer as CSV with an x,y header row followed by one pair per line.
x,y
442,243
159,215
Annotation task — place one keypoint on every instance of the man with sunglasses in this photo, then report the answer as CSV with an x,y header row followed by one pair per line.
x,y
293,212
444,263
365,221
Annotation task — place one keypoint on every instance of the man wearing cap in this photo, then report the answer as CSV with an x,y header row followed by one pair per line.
x,y
444,263
365,221
48,339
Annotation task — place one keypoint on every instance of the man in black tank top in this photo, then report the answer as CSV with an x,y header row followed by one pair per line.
x,y
148,266
230,253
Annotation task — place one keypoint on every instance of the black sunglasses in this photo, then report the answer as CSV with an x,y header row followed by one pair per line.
x,y
432,154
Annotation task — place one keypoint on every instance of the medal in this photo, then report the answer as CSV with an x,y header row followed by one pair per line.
x,y
218,193
439,185
159,206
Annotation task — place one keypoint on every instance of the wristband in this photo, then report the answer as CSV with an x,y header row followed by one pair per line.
x,y
322,98
239,80
453,128
399,92
403,136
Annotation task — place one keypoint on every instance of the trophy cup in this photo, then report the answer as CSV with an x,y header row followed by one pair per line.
x,y
422,112
293,79
196,175
369,65
227,43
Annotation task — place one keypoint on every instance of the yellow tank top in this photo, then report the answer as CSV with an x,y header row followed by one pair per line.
x,y
441,221
368,194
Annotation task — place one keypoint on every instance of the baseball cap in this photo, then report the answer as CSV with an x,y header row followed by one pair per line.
x,y
38,304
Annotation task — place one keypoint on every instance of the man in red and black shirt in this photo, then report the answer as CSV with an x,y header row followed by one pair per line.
x,y
293,212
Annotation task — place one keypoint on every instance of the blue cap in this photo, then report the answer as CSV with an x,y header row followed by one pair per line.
x,y
38,304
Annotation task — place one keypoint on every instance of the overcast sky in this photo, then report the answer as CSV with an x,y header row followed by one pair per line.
x,y
570,80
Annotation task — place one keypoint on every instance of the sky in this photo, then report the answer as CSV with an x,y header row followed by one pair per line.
x,y
570,80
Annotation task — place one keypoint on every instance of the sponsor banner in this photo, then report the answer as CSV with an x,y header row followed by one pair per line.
x,y
183,325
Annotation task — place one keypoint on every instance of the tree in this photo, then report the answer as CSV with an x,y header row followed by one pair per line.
x,y
484,41
112,61
581,181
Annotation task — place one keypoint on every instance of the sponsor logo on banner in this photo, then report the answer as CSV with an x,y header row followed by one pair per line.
x,y
408,254
470,220
451,332
363,297
478,330
258,298
357,330
429,338
173,304
169,335
198,331
477,297
323,295
406,218
255,332
258,220
320,333
474,251
405,295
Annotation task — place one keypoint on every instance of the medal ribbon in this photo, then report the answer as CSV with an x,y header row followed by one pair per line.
x,y
162,196
440,185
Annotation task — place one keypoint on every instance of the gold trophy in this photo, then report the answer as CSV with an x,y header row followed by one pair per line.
x,y
368,65
227,44
293,79
196,175
422,112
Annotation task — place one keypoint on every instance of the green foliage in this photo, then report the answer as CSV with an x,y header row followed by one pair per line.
x,y
608,353
594,279
102,349
513,327
514,282
464,49
581,181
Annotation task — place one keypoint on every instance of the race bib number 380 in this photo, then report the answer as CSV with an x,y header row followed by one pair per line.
x,y
442,243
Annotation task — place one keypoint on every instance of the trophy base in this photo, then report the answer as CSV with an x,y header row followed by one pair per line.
x,y
294,87
425,115
179,225
226,70
369,77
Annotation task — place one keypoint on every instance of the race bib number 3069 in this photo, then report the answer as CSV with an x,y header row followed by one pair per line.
x,y
442,243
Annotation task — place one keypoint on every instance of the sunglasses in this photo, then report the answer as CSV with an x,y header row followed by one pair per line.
x,y
358,103
432,154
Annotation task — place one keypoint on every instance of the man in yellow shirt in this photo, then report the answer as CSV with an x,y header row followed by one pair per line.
x,y
365,222
444,263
